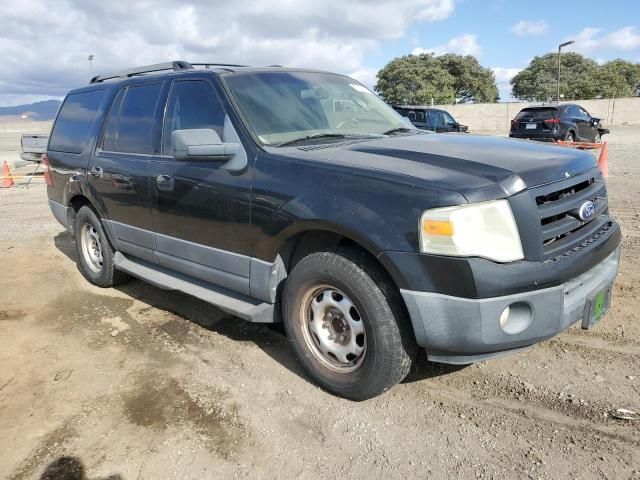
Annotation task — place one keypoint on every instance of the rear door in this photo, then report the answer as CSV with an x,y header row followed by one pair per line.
x,y
572,115
587,130
201,211
119,169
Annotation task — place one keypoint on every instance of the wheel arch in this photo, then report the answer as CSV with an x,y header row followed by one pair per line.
x,y
78,201
75,203
326,237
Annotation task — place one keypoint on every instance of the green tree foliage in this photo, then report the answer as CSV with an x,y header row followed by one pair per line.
x,y
619,78
417,79
580,78
472,82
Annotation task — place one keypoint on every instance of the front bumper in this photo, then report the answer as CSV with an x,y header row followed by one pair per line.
x,y
463,330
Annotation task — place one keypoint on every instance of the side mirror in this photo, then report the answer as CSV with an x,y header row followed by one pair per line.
x,y
201,144
595,121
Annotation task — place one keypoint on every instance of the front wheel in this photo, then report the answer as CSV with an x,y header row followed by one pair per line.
x,y
346,326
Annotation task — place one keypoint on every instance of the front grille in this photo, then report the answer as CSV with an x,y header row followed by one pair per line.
x,y
584,244
561,228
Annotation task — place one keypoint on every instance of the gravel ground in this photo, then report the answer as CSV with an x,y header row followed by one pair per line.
x,y
140,383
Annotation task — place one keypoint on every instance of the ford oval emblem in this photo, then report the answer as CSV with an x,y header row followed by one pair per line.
x,y
587,210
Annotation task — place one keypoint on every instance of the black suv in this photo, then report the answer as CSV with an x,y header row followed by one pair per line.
x,y
550,123
432,119
297,195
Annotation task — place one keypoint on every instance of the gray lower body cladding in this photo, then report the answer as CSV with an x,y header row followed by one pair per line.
x,y
460,330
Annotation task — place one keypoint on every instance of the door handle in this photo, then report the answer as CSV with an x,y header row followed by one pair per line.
x,y
165,182
96,171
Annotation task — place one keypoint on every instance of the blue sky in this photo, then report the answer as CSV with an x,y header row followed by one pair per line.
x,y
45,44
508,34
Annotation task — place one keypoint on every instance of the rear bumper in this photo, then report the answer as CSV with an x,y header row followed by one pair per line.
x,y
462,330
542,137
31,157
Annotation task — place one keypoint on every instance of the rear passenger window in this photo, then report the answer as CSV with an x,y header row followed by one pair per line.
x,y
129,128
109,136
573,112
192,104
71,130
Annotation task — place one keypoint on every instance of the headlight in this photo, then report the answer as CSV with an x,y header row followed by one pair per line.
x,y
485,229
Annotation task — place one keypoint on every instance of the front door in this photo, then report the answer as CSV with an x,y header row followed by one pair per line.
x,y
201,212
450,125
119,168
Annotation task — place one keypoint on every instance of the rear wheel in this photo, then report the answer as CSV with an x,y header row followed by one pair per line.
x,y
346,326
569,137
95,254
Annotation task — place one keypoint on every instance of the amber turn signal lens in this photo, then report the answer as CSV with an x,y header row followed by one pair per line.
x,y
438,227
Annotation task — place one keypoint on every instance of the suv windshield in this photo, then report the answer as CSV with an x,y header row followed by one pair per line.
x,y
287,107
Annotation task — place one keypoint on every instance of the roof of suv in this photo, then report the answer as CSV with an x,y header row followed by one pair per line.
x,y
181,66
557,106
419,107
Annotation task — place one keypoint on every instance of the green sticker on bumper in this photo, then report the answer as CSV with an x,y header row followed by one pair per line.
x,y
599,304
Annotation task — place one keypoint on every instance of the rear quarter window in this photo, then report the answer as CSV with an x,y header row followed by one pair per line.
x,y
73,124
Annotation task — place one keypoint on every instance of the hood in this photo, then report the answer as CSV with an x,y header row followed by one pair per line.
x,y
478,167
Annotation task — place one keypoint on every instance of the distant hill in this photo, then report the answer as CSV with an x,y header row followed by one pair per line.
x,y
45,110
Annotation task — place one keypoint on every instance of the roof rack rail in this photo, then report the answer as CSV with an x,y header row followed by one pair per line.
x,y
214,64
158,67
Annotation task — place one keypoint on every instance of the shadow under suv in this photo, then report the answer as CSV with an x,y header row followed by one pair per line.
x,y
299,196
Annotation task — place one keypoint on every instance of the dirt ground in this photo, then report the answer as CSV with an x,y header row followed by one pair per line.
x,y
140,383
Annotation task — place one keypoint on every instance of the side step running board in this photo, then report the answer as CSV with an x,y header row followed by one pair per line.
x,y
242,306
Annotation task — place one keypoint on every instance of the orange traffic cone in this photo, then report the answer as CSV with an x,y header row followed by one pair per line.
x,y
603,161
7,179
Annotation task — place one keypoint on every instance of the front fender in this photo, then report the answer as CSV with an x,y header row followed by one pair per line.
x,y
376,209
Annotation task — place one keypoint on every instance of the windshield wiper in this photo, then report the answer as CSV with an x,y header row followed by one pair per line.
x,y
400,129
315,136
311,137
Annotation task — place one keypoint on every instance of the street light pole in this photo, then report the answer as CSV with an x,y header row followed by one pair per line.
x,y
90,58
559,49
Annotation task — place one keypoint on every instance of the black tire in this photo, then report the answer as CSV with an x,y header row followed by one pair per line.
x,y
103,273
569,137
389,343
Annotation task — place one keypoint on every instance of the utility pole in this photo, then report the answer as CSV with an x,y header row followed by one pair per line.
x,y
90,63
559,49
